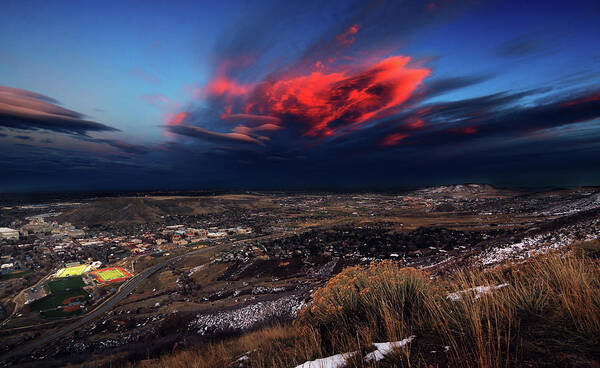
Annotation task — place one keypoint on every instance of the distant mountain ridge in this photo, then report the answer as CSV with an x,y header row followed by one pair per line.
x,y
461,190
132,210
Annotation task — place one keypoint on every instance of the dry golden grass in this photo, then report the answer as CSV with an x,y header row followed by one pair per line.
x,y
552,295
226,353
384,299
590,248
549,310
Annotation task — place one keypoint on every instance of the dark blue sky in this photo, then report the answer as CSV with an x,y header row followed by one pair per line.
x,y
308,94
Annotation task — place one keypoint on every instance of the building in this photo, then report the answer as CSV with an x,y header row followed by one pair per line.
x,y
217,234
7,233
7,268
76,233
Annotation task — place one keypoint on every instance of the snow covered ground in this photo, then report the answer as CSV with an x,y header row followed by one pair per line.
x,y
384,348
590,202
479,292
340,360
247,317
196,269
538,244
334,361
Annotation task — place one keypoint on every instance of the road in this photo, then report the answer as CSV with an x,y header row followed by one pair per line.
x,y
14,300
121,294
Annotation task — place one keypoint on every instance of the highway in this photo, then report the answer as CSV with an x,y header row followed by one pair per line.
x,y
121,294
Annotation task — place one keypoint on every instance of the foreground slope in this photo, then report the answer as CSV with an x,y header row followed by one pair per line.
x,y
542,313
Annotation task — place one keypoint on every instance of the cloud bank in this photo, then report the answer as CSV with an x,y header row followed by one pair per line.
x,y
23,109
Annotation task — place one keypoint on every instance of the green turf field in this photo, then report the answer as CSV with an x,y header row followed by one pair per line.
x,y
62,291
54,300
111,274
72,271
65,284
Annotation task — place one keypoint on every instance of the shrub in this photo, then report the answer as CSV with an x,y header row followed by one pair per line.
x,y
547,314
590,248
381,301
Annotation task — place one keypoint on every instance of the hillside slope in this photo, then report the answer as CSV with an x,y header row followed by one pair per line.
x,y
133,210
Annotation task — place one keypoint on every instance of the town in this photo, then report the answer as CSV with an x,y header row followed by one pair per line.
x,y
186,268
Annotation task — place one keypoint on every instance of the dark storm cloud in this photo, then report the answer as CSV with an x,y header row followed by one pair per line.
x,y
527,120
27,110
125,146
494,118
68,169
430,134
208,135
120,144
252,86
23,137
441,121
251,117
474,106
128,147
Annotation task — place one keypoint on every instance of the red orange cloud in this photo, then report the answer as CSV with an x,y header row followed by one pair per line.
x,y
327,102
393,139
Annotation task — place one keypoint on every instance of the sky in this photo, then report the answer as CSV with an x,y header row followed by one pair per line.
x,y
299,95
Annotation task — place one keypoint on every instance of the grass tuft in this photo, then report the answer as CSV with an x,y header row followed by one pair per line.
x,y
547,314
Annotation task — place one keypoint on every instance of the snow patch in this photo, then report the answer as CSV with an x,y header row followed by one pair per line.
x,y
195,269
334,361
247,317
384,348
479,292
340,360
539,244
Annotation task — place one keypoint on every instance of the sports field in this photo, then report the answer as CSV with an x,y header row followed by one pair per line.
x,y
113,274
63,293
72,271
65,284
54,300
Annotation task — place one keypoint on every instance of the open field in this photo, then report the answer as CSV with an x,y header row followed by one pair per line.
x,y
63,292
15,275
113,274
71,271
59,299
65,284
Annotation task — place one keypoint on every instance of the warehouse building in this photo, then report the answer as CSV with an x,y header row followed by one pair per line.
x,y
7,233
